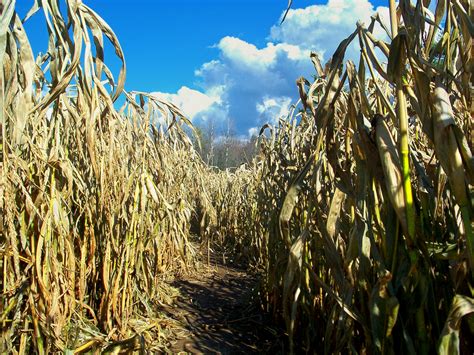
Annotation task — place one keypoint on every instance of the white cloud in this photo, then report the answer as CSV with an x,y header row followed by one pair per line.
x,y
321,28
242,53
251,86
272,109
259,82
191,102
253,131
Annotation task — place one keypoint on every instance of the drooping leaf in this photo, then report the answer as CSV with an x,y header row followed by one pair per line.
x,y
462,306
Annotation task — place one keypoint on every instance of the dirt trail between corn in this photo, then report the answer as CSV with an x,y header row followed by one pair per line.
x,y
219,312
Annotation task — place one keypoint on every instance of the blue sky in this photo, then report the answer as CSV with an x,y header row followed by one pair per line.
x,y
222,59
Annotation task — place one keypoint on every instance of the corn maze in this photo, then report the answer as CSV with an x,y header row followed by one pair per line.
x,y
357,211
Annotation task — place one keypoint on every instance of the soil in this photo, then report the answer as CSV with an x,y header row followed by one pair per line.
x,y
219,309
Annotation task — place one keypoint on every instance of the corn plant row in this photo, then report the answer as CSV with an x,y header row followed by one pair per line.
x,y
360,209
97,199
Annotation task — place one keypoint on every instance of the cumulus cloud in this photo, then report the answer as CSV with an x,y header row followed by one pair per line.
x,y
272,109
190,101
321,28
254,77
251,86
242,53
253,131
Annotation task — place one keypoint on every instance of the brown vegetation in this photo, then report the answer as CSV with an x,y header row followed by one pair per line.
x,y
358,209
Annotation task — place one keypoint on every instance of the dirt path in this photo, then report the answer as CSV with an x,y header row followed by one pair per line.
x,y
218,310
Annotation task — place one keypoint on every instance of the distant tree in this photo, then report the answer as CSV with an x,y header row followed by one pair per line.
x,y
222,147
206,133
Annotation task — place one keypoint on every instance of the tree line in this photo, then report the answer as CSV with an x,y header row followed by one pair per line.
x,y
221,147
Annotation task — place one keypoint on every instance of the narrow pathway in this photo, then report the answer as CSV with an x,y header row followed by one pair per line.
x,y
220,314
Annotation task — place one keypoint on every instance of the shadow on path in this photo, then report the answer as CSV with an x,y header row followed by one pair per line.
x,y
219,312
